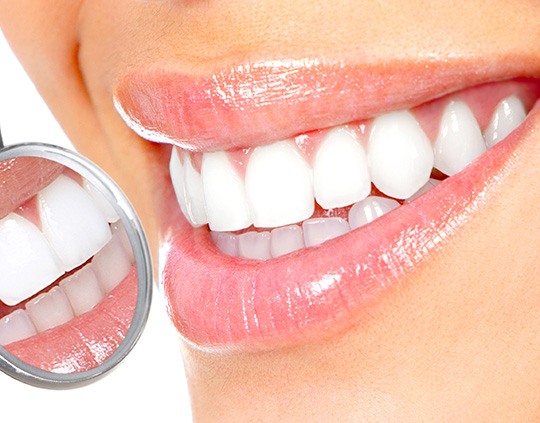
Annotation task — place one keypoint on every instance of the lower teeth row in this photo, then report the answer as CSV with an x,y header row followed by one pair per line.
x,y
313,232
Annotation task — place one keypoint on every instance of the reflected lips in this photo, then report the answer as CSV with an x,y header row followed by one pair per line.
x,y
222,302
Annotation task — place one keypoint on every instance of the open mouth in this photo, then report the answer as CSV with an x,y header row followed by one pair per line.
x,y
280,241
64,255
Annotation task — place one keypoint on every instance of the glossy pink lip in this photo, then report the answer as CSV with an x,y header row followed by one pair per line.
x,y
221,302
263,102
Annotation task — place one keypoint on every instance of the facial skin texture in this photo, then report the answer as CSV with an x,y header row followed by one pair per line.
x,y
459,340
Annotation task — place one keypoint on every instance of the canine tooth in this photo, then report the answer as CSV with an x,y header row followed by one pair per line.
x,y
400,155
27,260
50,309
226,242
508,115
254,245
340,171
101,202
194,194
319,230
432,183
279,185
16,327
82,290
111,264
369,209
73,225
224,193
176,172
285,240
459,141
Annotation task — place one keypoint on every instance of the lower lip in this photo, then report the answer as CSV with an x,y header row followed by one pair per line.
x,y
219,302
86,341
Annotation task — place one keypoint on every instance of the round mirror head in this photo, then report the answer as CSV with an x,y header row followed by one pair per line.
x,y
75,277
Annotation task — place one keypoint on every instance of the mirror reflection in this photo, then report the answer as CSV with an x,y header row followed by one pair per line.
x,y
68,280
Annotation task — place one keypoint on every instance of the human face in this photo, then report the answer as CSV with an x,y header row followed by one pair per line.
x,y
409,315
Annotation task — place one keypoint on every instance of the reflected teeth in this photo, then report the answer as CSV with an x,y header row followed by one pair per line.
x,y
68,215
73,296
73,228
460,140
283,180
508,115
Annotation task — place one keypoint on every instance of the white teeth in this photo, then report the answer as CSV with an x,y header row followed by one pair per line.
x,y
82,290
111,264
119,230
194,194
316,231
285,240
99,200
27,260
254,245
279,185
226,202
73,225
226,242
50,309
176,170
432,183
508,115
400,155
16,326
340,170
369,209
459,141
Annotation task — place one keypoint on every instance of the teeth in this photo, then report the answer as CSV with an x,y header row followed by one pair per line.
x,y
459,141
285,240
16,326
82,290
226,242
194,195
226,203
400,155
316,231
50,309
27,260
176,170
369,209
73,225
111,264
510,113
118,230
432,183
99,200
340,170
254,245
279,185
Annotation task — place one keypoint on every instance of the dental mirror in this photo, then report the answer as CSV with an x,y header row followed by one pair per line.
x,y
75,278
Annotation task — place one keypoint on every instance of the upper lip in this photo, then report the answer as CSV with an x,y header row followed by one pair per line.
x,y
259,103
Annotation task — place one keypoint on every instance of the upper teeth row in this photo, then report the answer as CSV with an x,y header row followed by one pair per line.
x,y
74,226
279,187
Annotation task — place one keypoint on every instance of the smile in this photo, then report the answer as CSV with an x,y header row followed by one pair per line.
x,y
269,240
64,255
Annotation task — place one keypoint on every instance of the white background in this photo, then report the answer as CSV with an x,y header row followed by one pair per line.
x,y
149,385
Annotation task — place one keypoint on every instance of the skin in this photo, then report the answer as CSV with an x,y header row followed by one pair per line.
x,y
460,339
